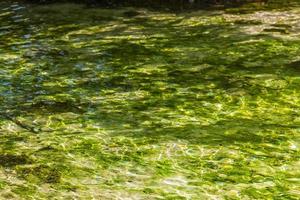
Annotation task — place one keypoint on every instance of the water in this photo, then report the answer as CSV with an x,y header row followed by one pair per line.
x,y
99,105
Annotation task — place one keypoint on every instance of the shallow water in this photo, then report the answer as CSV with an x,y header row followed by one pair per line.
x,y
198,105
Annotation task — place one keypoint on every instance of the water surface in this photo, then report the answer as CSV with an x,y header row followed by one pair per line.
x,y
96,104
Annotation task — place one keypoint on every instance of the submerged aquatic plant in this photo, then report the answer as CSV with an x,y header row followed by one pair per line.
x,y
200,105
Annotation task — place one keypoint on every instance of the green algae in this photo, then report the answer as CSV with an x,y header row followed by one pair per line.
x,y
199,105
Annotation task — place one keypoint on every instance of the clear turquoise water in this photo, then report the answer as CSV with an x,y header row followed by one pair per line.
x,y
195,105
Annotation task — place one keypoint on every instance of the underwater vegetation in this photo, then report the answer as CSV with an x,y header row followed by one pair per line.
x,y
103,104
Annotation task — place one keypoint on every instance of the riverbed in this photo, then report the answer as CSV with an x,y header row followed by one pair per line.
x,y
140,104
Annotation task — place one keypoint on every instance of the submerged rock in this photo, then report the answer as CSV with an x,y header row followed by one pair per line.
x,y
57,107
276,30
131,13
295,65
43,173
40,52
11,160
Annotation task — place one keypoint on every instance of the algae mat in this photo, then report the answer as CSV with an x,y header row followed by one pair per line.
x,y
99,104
